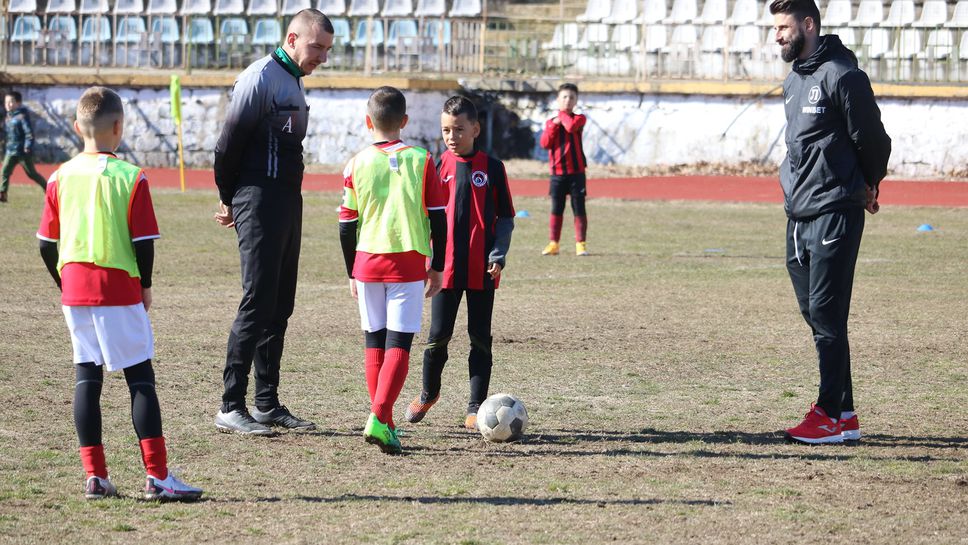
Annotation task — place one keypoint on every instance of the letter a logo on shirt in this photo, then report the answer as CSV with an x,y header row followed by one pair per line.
x,y
288,126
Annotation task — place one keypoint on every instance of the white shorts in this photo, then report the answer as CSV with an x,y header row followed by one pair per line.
x,y
116,337
397,306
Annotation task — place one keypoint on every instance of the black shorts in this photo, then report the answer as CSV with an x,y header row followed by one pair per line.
x,y
568,184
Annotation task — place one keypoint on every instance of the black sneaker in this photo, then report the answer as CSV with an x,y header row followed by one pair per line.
x,y
280,416
240,421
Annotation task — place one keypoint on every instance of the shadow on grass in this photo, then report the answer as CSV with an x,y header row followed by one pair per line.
x,y
507,500
652,435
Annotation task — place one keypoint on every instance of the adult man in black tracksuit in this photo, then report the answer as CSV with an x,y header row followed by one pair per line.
x,y
258,171
837,152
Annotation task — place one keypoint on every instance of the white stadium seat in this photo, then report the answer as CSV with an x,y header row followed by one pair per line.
x,y
713,11
162,7
26,6
364,8
397,8
901,13
870,13
934,13
959,19
655,12
292,7
228,7
465,8
262,7
683,11
595,11
622,12
744,12
60,6
431,8
838,13
196,7
331,8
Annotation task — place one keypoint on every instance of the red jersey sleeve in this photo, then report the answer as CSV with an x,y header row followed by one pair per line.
x,y
141,213
435,192
348,207
572,122
50,219
548,135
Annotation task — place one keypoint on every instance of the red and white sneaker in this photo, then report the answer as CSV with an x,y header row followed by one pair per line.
x,y
816,428
850,428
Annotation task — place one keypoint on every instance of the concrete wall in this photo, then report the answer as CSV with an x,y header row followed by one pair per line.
x,y
623,129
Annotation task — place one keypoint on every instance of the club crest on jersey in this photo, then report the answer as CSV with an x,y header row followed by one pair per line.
x,y
479,178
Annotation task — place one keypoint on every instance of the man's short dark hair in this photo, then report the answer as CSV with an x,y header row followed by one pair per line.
x,y
800,9
387,107
568,87
313,17
15,94
457,105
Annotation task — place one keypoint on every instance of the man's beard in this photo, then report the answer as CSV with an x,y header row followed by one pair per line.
x,y
793,48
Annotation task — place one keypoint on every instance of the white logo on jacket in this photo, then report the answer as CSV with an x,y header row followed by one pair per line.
x,y
288,126
479,178
814,95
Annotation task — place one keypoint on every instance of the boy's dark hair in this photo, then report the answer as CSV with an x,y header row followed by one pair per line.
x,y
97,109
387,107
800,9
457,105
15,94
568,87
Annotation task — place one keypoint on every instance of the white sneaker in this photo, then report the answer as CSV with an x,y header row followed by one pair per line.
x,y
170,489
97,488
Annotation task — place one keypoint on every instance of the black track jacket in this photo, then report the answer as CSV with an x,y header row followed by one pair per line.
x,y
836,143
261,140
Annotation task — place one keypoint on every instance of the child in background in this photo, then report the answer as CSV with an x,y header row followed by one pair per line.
x,y
19,143
480,218
562,138
97,239
393,208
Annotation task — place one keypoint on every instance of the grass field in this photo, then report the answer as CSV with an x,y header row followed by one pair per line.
x,y
657,373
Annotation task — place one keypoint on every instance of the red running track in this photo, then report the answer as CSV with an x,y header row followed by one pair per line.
x,y
691,188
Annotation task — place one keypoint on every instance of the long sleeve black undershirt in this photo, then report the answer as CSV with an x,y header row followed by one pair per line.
x,y
438,239
144,253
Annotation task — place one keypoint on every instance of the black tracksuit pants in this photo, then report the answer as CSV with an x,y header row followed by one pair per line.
x,y
268,221
821,255
444,305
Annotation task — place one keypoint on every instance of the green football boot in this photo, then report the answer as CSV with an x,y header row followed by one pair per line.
x,y
380,434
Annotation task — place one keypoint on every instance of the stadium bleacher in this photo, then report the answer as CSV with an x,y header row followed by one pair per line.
x,y
895,40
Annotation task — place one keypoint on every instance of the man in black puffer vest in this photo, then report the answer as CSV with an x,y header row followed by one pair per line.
x,y
837,153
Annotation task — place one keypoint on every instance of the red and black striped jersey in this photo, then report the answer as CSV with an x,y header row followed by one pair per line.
x,y
479,200
562,138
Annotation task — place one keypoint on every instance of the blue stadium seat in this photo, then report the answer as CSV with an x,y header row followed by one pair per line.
x,y
268,32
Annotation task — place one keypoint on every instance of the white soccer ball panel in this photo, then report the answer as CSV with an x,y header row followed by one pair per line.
x,y
502,417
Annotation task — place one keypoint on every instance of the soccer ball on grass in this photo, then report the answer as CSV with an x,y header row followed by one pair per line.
x,y
502,417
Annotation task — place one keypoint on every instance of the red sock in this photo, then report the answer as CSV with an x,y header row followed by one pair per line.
x,y
581,227
392,376
155,456
554,231
373,361
92,458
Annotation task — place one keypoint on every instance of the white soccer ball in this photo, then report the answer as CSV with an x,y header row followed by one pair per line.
x,y
502,417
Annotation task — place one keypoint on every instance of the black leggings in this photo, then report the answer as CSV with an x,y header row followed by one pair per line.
x,y
480,306
561,187
145,411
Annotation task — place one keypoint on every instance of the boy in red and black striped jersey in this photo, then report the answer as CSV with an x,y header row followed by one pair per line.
x,y
480,218
562,138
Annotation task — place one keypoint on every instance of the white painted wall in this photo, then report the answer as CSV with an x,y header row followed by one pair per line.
x,y
930,138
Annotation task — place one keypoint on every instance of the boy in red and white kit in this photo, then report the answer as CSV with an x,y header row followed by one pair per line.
x,y
392,219
97,239
562,138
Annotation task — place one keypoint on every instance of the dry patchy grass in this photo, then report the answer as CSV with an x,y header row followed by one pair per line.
x,y
657,373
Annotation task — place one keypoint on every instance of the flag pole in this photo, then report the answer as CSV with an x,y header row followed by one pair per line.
x,y
175,89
